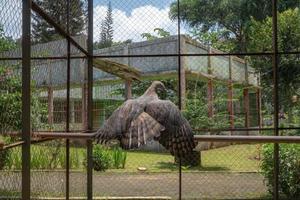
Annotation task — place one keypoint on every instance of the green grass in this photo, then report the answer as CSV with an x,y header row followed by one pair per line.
x,y
50,155
154,162
242,158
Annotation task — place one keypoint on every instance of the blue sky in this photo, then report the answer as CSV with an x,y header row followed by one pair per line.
x,y
132,18
129,5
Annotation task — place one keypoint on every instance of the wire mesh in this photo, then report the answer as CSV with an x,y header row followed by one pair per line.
x,y
122,22
289,91
141,172
218,93
10,27
226,171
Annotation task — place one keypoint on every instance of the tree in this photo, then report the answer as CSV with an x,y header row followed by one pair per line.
x,y
57,9
230,19
11,93
161,33
5,42
106,34
288,40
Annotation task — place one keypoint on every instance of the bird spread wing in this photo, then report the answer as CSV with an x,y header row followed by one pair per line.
x,y
131,125
142,129
177,136
119,122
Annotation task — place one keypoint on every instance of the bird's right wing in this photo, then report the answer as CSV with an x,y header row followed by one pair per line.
x,y
131,125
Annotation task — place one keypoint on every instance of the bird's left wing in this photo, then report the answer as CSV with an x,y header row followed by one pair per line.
x,y
178,136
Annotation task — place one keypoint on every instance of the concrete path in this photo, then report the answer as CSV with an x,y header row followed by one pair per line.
x,y
195,185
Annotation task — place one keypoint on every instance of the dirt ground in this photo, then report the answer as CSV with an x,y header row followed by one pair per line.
x,y
195,185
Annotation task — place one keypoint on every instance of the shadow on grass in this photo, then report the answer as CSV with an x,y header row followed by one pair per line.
x,y
174,167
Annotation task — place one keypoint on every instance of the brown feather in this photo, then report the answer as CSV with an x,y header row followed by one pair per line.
x,y
143,128
148,117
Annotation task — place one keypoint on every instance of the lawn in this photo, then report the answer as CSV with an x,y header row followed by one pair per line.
x,y
241,158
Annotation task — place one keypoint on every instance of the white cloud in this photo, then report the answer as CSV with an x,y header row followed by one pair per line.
x,y
11,17
141,20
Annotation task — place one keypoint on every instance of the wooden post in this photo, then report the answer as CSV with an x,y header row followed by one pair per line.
x,y
230,96
230,104
182,72
258,104
246,99
246,108
128,92
50,106
126,60
72,111
84,107
210,92
210,97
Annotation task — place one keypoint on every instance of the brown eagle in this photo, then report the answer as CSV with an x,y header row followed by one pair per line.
x,y
148,117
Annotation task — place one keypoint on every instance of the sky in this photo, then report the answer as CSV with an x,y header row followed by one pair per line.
x,y
129,5
134,17
131,18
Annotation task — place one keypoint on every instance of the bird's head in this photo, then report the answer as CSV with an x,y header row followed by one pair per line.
x,y
158,86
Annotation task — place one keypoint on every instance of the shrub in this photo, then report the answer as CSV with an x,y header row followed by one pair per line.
x,y
101,158
4,155
289,181
119,158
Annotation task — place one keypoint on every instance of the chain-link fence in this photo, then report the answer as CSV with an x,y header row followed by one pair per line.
x,y
221,62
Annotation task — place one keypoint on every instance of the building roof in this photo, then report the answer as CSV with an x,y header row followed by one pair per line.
x,y
54,72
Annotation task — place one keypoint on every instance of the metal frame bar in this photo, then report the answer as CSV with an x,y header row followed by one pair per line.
x,y
245,129
275,63
26,71
248,139
68,104
90,101
180,101
26,97
154,55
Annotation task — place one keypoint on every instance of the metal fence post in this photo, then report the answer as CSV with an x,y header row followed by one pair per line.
x,y
26,75
90,101
275,61
179,88
68,104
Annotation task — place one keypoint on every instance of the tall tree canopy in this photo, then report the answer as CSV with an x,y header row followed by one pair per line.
x,y
57,9
260,39
106,34
226,20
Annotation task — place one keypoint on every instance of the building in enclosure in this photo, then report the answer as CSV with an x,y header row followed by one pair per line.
x,y
109,91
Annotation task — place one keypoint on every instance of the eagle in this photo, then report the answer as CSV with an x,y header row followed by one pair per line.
x,y
146,118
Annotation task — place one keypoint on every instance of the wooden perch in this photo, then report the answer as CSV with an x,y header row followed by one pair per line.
x,y
121,70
